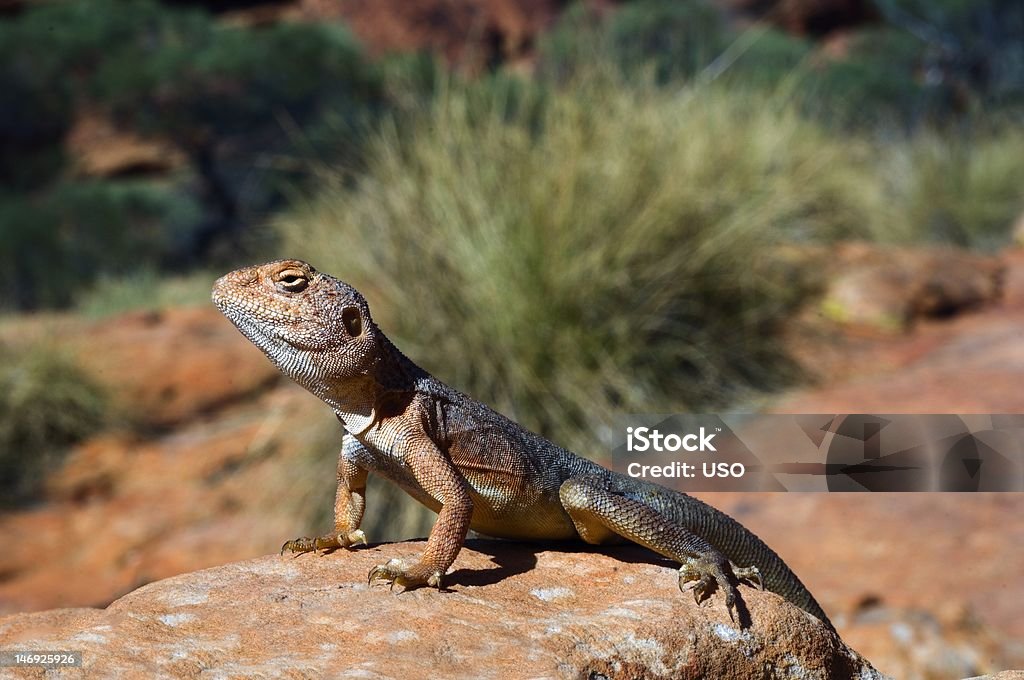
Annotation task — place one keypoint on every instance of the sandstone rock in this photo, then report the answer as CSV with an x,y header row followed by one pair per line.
x,y
889,570
809,17
123,510
128,509
162,367
1018,231
510,611
891,288
98,148
470,34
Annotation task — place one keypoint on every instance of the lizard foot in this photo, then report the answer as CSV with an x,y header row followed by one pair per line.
x,y
750,575
703,575
327,542
394,572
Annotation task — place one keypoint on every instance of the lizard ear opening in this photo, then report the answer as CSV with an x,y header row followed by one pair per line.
x,y
352,320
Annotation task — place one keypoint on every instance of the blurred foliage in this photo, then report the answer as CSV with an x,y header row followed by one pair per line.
x,y
254,109
35,112
217,82
965,190
611,253
46,404
930,63
669,39
145,289
236,100
874,84
974,49
53,245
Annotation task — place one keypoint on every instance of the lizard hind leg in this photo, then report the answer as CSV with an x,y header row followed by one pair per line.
x,y
602,515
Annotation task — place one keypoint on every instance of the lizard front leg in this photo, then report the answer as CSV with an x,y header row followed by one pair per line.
x,y
349,504
435,473
601,514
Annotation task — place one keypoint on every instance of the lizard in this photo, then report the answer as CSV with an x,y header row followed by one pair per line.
x,y
474,467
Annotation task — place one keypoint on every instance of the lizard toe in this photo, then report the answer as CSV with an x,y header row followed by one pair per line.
x,y
703,575
389,572
323,543
395,572
354,537
298,545
750,575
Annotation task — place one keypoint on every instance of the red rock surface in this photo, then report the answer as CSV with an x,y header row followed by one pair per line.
x,y
466,32
924,585
809,17
510,611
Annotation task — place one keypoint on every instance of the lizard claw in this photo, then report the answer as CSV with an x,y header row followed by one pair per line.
x,y
703,575
358,536
327,542
298,545
395,572
750,575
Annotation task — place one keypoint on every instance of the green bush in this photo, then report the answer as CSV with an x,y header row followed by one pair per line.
x,y
975,53
54,245
678,39
223,81
145,289
965,189
46,404
35,112
49,56
237,101
614,255
929,63
877,84
664,40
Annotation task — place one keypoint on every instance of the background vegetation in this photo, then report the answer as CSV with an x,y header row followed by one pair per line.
x,y
46,403
606,235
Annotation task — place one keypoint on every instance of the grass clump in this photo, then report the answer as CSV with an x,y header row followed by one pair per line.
x,y
612,253
965,189
145,289
46,404
54,246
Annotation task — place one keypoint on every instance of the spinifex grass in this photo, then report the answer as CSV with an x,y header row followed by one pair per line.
x,y
566,256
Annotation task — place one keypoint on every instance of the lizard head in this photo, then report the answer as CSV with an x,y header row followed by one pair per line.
x,y
316,329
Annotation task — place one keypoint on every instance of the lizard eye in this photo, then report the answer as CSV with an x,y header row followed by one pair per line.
x,y
292,280
353,322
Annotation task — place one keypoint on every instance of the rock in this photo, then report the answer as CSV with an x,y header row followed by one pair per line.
x,y
471,34
890,288
888,568
1017,230
808,17
138,356
99,148
511,610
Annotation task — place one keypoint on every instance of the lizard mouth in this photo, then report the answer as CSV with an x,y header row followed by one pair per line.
x,y
256,333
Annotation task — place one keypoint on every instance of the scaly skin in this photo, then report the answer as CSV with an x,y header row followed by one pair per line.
x,y
473,466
